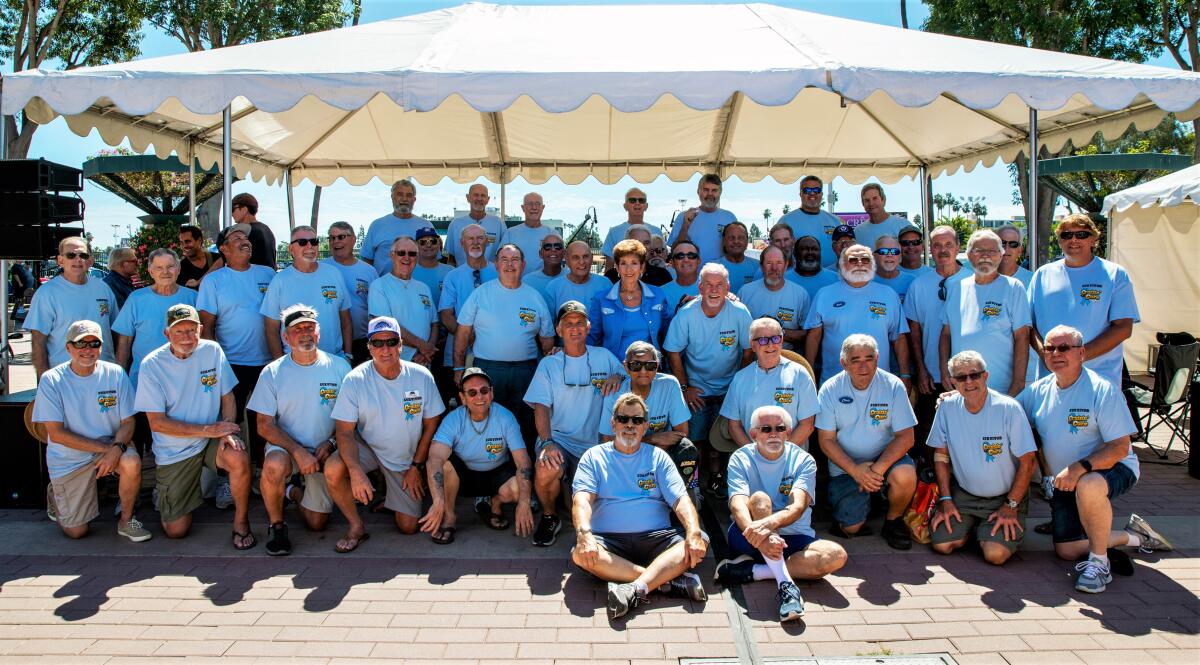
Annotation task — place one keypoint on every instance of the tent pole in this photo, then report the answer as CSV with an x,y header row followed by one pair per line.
x,y
191,182
226,167
4,266
926,184
503,193
291,202
1031,220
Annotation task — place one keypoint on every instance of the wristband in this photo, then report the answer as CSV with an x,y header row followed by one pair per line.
x,y
460,369
906,376
945,498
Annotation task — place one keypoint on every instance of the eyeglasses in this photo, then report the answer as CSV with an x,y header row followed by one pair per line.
x,y
1061,348
639,365
911,243
969,376
76,255
587,382
985,252
473,392
858,260
684,255
476,277
1077,235
942,289
427,242
625,420
635,199
767,429
773,339
404,252
1011,244
548,246
389,342
888,251
339,237
306,241
94,344
811,190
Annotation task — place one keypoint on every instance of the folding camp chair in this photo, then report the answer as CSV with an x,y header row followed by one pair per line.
x,y
1170,398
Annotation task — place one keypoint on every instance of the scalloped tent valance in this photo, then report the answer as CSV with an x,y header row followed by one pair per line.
x,y
751,90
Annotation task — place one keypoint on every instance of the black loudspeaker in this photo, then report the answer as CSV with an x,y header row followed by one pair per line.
x,y
34,243
32,207
23,476
38,175
40,208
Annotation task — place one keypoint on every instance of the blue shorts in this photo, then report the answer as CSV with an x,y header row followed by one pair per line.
x,y
739,545
1064,512
850,505
569,464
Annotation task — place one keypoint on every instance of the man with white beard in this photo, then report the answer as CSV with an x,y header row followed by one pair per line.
x,y
856,305
988,313
774,296
377,245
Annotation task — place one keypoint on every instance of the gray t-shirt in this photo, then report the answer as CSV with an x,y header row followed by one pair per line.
x,y
59,303
711,345
389,413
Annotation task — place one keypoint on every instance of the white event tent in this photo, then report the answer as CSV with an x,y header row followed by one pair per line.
x,y
1153,235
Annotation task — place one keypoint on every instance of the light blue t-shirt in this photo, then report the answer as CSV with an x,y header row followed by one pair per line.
x,y
389,413
984,318
899,283
868,232
322,289
432,277
617,233
1025,276
865,421
819,225
925,307
673,293
236,298
570,387
357,279
561,289
711,346
507,322
492,226
481,446
541,281
741,274
785,385
377,245
842,310
59,303
188,390
916,272
1077,421
301,397
813,283
789,305
456,286
144,318
985,447
406,300
91,406
664,403
529,239
1088,299
705,232
634,492
794,471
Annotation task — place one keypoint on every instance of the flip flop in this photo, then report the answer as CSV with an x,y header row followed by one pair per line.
x,y
242,537
355,542
444,535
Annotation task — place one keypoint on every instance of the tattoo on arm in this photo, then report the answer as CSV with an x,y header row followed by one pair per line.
x,y
438,478
526,473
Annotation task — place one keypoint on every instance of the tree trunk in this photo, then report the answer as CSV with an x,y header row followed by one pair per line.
x,y
1045,211
18,141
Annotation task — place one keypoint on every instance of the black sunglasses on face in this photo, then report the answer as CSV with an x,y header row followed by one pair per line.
x,y
380,343
625,420
1011,244
339,237
427,241
639,365
767,429
1060,348
911,243
94,344
635,199
1077,235
685,255
969,376
404,252
76,255
306,241
548,246
811,190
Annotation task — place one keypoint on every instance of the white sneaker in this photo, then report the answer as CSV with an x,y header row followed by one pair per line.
x,y
1151,539
224,496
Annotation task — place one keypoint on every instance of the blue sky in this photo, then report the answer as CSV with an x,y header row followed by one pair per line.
x,y
359,205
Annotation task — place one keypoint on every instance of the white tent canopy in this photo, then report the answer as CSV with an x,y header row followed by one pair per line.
x,y
606,91
1170,190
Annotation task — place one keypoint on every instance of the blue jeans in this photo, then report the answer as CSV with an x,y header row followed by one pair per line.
x,y
851,505
1064,512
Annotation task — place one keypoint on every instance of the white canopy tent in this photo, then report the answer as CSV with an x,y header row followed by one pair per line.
x,y
1153,229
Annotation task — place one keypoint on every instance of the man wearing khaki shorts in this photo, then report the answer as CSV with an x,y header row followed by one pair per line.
x,y
86,405
185,388
294,402
386,414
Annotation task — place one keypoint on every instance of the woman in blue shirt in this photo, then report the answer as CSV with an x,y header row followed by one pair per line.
x,y
631,310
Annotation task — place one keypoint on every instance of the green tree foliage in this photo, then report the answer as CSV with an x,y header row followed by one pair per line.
x,y
1175,30
209,24
65,34
964,226
755,232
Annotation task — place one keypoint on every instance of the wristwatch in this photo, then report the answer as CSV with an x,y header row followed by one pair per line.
x,y
1087,466
1012,504
122,446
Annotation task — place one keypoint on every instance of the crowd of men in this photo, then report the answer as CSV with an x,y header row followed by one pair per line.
x,y
502,368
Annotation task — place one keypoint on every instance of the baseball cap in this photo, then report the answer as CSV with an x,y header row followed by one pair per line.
x,y
84,328
224,234
911,228
426,232
299,315
473,371
382,324
843,231
570,307
181,312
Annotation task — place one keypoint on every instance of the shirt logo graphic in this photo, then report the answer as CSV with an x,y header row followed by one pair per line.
x,y
412,406
726,338
846,399
878,414
329,293
598,379
992,446
102,305
785,485
262,287
785,314
493,448
106,400
527,316
1090,293
425,301
208,379
328,393
658,423
840,303
878,310
361,287
646,482
991,310
1077,419
783,396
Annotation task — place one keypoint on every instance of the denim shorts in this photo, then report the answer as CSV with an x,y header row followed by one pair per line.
x,y
793,543
1064,512
851,506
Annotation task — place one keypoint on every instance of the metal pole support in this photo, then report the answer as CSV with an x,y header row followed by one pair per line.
x,y
291,201
926,184
1031,220
4,266
227,167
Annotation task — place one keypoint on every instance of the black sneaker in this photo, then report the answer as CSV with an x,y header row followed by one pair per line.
x,y
896,533
718,487
735,571
278,543
791,605
547,530
621,599
687,585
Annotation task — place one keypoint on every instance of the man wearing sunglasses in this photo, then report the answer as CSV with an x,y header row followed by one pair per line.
x,y
771,379
685,262
635,206
309,281
881,222
981,435
806,264
888,273
293,402
494,229
703,225
776,297
528,235
624,493
566,395
356,277
71,296
86,405
430,270
551,253
865,428
244,211
912,251
386,414
405,299
1084,428
810,220
478,451
1013,244
772,487
1084,291
377,245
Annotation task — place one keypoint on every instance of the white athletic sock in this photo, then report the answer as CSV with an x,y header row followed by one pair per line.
x,y
1102,558
1134,539
779,570
640,589
762,572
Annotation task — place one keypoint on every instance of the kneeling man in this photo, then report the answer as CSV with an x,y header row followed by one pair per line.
x,y
983,437
772,487
624,492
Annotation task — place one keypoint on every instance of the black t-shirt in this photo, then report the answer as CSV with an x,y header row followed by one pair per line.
x,y
654,275
188,271
262,243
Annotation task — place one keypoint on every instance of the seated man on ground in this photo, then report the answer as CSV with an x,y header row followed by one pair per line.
x,y
772,487
294,401
624,493
983,436
478,451
865,428
86,405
